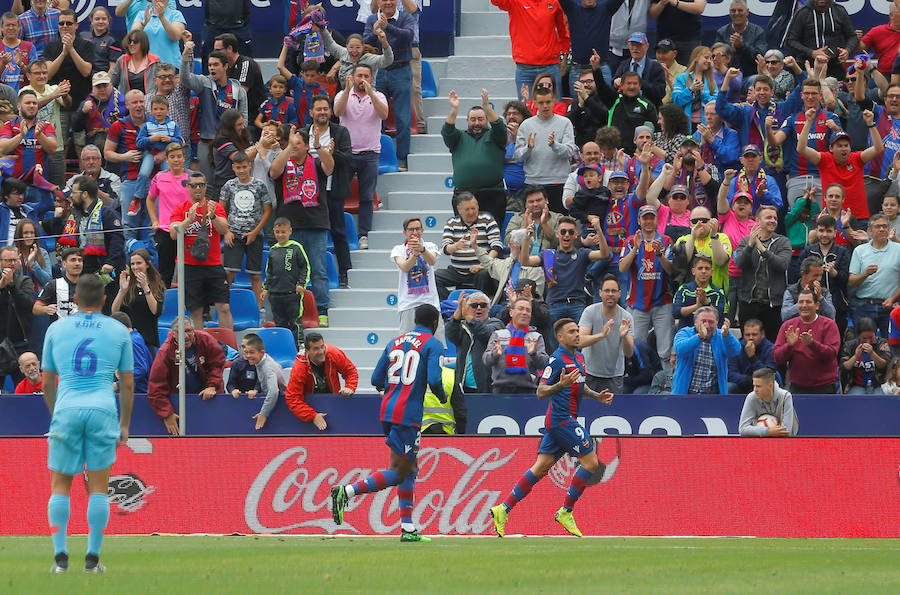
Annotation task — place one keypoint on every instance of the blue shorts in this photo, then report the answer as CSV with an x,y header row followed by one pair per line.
x,y
403,440
82,436
570,438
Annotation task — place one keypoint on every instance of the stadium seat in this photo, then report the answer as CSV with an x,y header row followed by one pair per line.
x,y
170,309
242,279
387,162
163,334
279,344
244,309
310,317
9,386
509,216
225,335
198,67
350,230
351,203
332,271
429,87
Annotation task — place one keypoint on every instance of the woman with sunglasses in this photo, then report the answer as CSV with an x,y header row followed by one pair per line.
x,y
772,65
136,69
543,80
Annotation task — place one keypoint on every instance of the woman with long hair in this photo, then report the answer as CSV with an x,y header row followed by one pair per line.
x,y
695,87
141,295
232,137
136,69
544,79
673,127
34,260
107,48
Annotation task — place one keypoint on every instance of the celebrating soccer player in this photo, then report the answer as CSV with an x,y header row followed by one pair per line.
x,y
408,364
85,350
563,383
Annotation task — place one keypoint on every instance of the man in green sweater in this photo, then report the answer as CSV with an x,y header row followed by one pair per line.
x,y
478,154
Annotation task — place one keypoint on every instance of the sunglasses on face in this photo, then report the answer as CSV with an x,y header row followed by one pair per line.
x,y
697,220
772,61
566,232
66,23
197,184
479,305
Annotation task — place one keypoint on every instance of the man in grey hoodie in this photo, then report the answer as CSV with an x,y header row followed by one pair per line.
x,y
768,398
268,371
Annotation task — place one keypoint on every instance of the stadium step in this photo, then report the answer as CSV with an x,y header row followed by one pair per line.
x,y
438,107
489,66
348,298
372,278
360,316
387,239
394,219
422,202
493,22
415,180
484,45
430,161
471,87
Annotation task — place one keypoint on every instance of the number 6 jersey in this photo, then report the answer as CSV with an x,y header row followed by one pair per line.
x,y
409,364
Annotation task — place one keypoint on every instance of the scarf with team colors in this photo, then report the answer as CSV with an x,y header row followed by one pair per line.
x,y
515,353
301,186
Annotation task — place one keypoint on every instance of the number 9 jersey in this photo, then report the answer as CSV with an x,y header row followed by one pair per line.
x,y
409,364
85,350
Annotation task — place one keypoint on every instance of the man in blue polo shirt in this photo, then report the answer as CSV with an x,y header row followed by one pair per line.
x,y
564,267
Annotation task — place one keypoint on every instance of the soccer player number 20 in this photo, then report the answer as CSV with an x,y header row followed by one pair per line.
x,y
85,359
403,366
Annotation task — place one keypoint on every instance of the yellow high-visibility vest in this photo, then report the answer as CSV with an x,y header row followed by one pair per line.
x,y
435,412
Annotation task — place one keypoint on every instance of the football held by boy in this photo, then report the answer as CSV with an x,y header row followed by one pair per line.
x,y
563,383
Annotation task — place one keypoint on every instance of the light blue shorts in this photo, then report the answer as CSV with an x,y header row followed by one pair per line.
x,y
82,436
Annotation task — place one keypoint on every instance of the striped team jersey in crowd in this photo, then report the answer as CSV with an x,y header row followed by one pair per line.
x,y
894,330
649,282
796,164
29,151
124,133
563,405
407,367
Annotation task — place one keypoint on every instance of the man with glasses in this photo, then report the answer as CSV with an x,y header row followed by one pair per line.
x,y
705,238
469,329
875,273
565,267
802,173
15,54
607,338
746,39
415,259
70,58
108,184
39,24
179,96
587,112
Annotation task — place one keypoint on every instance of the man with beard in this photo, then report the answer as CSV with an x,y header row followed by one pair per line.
x,y
478,154
30,367
338,182
96,229
587,113
28,139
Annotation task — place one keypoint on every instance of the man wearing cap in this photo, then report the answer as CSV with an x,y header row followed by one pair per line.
x,y
752,179
746,39
545,143
616,226
540,38
478,154
628,109
648,261
763,258
803,174
70,58
705,238
718,143
653,77
565,267
666,55
841,165
589,24
99,110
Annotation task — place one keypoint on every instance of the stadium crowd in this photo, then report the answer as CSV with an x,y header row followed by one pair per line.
x,y
670,202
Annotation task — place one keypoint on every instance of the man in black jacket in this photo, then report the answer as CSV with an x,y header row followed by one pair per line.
x,y
822,28
226,16
469,329
16,297
627,109
339,180
653,77
587,112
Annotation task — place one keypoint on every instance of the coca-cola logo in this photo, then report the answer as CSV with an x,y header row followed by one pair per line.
x,y
608,455
288,494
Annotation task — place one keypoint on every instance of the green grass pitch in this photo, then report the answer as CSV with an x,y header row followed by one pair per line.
x,y
194,564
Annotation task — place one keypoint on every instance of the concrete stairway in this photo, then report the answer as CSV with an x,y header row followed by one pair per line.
x,y
364,318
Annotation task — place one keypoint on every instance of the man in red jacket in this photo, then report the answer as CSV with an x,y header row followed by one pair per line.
x,y
205,361
317,373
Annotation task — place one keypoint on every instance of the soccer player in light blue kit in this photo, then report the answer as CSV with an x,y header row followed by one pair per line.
x,y
563,383
84,350
409,364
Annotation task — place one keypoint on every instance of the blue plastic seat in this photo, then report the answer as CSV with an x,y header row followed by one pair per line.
x,y
331,270
506,220
170,309
350,230
244,309
279,344
429,86
242,278
387,161
198,67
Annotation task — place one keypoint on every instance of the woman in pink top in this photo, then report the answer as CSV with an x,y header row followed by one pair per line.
x,y
674,218
735,221
167,191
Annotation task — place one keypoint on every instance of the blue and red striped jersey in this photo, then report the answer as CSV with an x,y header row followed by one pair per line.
x,y
563,405
649,282
796,164
408,366
894,329
125,133
29,151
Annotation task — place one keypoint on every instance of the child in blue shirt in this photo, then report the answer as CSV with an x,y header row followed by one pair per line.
x,y
304,88
158,131
278,106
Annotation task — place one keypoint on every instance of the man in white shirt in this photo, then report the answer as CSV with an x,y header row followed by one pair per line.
x,y
416,259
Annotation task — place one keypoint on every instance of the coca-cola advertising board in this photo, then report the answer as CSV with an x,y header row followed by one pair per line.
x,y
801,487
